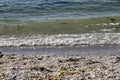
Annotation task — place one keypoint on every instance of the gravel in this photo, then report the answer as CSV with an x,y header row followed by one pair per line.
x,y
54,67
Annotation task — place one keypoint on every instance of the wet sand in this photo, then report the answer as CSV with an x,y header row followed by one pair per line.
x,y
62,50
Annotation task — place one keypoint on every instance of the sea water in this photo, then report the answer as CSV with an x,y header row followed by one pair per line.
x,y
44,10
50,10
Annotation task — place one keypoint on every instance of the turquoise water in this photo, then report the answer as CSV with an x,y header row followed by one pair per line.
x,y
43,10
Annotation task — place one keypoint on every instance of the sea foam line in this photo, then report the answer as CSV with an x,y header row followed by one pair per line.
x,y
61,39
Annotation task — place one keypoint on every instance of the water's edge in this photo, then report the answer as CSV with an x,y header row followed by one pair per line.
x,y
63,50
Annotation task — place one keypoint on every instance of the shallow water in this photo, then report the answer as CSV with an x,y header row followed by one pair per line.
x,y
63,50
20,14
43,10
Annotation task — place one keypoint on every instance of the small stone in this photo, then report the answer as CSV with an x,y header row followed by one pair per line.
x,y
82,79
37,68
47,57
1,55
24,63
40,58
14,78
60,61
117,59
42,69
117,78
1,62
72,60
11,57
92,62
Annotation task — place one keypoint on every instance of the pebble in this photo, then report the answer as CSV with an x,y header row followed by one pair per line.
x,y
59,67
1,55
117,59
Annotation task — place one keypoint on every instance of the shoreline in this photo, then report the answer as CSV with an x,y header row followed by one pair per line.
x,y
61,40
62,50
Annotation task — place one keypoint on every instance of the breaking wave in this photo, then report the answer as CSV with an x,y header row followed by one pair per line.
x,y
61,39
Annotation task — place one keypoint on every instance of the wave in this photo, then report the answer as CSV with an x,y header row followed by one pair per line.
x,y
61,39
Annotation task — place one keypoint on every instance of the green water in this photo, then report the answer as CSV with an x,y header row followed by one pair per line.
x,y
73,26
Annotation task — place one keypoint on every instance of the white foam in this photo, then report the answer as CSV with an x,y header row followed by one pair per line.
x,y
113,24
61,39
106,24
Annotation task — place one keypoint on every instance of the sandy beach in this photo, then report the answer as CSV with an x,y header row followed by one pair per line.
x,y
64,67
59,39
101,62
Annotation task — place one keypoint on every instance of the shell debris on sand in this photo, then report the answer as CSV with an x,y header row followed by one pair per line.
x,y
54,67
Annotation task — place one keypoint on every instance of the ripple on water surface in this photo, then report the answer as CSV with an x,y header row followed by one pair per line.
x,y
57,9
